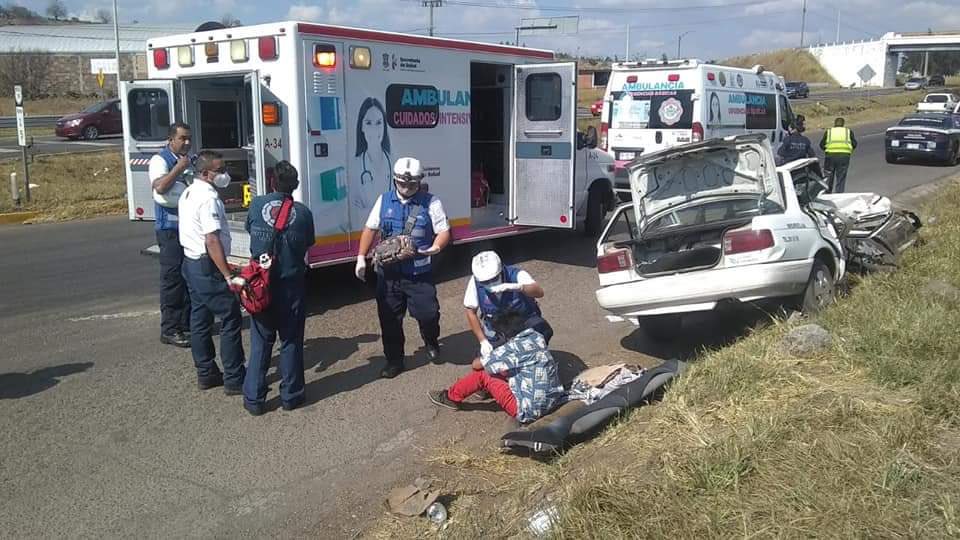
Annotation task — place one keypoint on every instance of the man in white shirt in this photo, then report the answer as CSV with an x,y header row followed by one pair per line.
x,y
167,171
205,236
495,289
406,210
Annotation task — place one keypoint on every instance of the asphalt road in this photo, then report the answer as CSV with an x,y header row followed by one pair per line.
x,y
105,433
50,144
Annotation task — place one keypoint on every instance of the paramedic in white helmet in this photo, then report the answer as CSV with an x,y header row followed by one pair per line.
x,y
495,289
407,284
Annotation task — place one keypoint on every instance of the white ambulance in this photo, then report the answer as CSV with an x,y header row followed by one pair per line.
x,y
652,105
494,126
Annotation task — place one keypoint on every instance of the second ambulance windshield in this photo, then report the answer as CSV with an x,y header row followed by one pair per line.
x,y
670,109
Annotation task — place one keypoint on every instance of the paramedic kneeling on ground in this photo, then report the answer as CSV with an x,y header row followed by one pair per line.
x,y
407,283
205,237
166,171
521,375
286,313
495,289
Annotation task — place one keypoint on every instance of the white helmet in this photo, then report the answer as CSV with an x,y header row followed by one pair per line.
x,y
408,168
171,198
486,266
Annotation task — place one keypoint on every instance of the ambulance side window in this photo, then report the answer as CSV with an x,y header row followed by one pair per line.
x,y
544,96
149,110
786,113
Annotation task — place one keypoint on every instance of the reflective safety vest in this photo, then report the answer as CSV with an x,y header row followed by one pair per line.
x,y
839,141
492,305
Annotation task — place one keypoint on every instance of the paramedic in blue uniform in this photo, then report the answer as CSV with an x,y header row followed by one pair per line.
x,y
205,237
166,172
286,314
495,289
407,284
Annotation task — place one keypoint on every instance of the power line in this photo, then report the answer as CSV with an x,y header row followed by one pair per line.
x,y
530,7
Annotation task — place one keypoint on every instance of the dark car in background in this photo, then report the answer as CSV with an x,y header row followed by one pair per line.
x,y
797,89
934,136
936,80
101,118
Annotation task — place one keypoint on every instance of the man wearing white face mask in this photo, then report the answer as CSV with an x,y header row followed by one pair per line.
x,y
407,284
205,237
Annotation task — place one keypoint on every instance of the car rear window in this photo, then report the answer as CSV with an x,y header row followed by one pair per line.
x,y
926,121
936,99
659,109
714,212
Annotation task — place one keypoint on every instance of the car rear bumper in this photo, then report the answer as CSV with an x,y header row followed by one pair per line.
x,y
939,153
701,291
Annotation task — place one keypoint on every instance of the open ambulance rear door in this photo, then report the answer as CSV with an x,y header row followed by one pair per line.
x,y
543,140
149,107
254,139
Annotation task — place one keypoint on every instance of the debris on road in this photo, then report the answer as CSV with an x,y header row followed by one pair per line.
x,y
413,499
807,341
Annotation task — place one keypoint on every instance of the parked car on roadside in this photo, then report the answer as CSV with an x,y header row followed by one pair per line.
x,y
597,107
915,83
716,222
925,136
938,103
101,118
936,80
797,89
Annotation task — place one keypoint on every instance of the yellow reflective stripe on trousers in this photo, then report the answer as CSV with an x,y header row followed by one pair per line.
x,y
838,141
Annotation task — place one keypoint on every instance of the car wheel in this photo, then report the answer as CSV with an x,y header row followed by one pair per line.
x,y
595,205
90,133
891,158
662,327
821,289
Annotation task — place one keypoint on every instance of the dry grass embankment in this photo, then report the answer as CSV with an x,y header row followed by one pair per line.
x,y
859,108
48,106
73,186
791,64
862,441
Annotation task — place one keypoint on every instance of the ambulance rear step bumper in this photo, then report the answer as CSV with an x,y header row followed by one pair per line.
x,y
239,246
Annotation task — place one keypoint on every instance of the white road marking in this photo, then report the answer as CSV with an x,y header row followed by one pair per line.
x,y
112,316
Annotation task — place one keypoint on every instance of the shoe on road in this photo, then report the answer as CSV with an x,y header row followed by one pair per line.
x,y
441,399
233,390
177,339
206,383
433,353
391,370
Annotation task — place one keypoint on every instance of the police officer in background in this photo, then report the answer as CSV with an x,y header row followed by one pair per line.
x,y
205,236
167,171
286,315
494,290
407,284
838,144
795,146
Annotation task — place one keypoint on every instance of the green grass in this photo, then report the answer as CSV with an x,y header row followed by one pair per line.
x,y
791,64
860,108
862,441
74,186
47,106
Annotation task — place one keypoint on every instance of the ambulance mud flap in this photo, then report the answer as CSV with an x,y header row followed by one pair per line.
x,y
586,422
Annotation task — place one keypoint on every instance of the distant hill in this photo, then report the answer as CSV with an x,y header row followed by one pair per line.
x,y
791,64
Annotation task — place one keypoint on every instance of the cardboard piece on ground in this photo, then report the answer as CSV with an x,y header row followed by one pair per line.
x,y
412,500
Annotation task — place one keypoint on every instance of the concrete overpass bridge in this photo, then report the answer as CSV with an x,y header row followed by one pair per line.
x,y
843,61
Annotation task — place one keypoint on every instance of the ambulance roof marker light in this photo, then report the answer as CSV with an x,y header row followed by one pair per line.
x,y
673,77
267,47
324,56
711,76
631,78
238,51
185,56
161,60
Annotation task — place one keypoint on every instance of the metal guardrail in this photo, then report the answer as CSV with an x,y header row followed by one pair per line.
x,y
29,121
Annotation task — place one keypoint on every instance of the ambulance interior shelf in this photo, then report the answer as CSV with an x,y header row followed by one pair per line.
x,y
490,92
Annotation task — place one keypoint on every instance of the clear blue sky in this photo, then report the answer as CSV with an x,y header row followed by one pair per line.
x,y
718,28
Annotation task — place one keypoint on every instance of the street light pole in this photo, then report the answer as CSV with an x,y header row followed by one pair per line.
x,y
803,22
431,4
679,39
116,40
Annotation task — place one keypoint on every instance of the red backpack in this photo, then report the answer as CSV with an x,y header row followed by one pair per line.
x,y
255,295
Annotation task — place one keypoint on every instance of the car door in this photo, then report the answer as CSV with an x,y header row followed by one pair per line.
x,y
113,120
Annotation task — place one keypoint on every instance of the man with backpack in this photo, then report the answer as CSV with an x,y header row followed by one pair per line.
x,y
282,229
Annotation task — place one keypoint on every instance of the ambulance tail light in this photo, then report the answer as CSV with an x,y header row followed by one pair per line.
x,y
324,56
270,113
267,47
614,261
697,132
673,77
604,127
161,59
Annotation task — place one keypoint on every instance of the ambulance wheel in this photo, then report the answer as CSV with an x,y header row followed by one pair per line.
x,y
90,133
595,206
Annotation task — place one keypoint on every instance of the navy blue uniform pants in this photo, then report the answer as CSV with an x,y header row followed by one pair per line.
x,y
285,316
211,297
394,296
174,298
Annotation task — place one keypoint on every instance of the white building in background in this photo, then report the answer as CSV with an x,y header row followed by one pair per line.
x,y
844,61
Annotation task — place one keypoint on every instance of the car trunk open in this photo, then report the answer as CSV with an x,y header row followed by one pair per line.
x,y
687,198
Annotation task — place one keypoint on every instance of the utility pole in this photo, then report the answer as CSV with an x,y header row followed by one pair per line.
x,y
837,40
679,38
116,42
628,44
803,22
427,4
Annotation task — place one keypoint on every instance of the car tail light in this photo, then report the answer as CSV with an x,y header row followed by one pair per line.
x,y
615,261
161,60
267,46
743,241
604,127
673,77
697,132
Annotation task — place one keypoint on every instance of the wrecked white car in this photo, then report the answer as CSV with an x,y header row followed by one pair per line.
x,y
717,221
